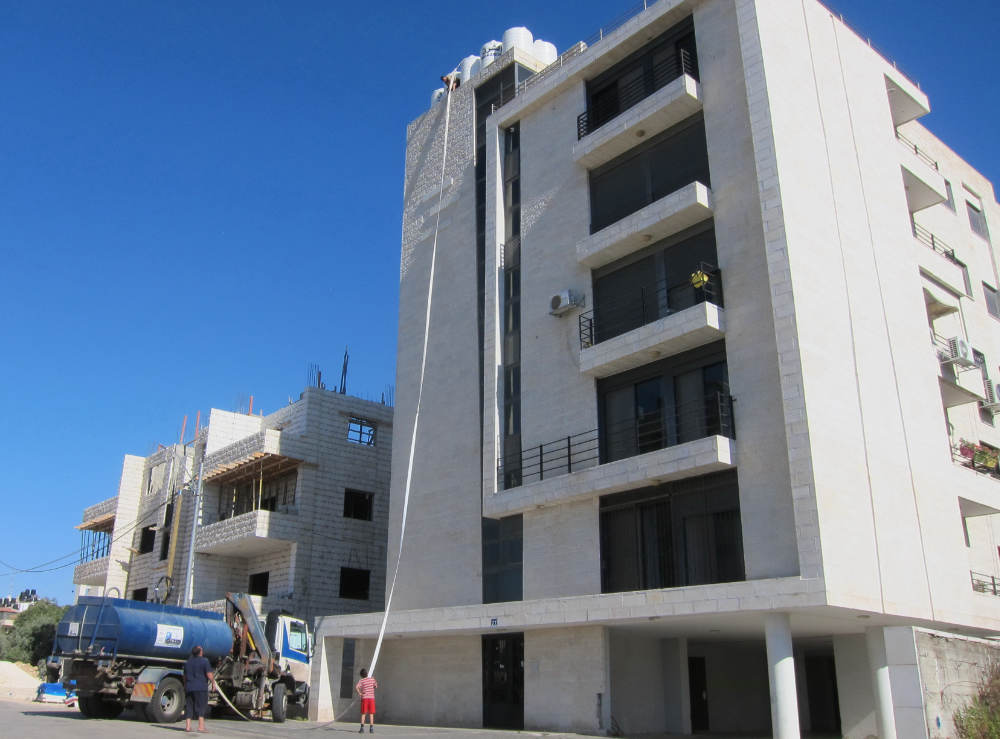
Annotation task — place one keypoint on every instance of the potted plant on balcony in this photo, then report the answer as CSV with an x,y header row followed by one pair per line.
x,y
966,448
985,456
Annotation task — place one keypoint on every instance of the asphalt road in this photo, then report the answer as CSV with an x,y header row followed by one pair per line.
x,y
28,720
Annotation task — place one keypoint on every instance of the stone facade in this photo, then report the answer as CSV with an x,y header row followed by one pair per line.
x,y
852,244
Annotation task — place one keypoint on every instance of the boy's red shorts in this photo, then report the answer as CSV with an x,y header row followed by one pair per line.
x,y
367,705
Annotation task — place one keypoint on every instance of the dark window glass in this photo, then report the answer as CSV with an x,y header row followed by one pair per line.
x,y
140,594
682,533
658,63
354,583
665,164
655,283
147,538
992,301
680,399
977,221
951,196
168,521
258,583
347,670
502,555
358,504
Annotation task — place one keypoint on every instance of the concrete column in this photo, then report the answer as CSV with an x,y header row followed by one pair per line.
x,y
677,685
781,675
885,718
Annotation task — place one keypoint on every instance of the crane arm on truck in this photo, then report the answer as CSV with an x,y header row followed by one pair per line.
x,y
242,617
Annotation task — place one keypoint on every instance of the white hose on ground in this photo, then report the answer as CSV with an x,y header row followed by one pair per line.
x,y
420,387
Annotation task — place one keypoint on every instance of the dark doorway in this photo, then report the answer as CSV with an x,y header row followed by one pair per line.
x,y
699,693
503,681
821,687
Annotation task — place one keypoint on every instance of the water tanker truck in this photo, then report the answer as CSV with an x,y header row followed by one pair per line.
x,y
123,653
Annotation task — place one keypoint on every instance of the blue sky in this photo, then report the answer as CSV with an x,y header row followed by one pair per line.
x,y
199,199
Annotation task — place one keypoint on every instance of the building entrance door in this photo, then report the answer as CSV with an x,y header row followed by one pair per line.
x,y
699,693
503,681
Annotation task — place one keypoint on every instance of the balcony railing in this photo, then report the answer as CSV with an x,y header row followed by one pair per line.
x,y
984,583
977,458
628,312
926,237
921,154
711,415
664,72
94,545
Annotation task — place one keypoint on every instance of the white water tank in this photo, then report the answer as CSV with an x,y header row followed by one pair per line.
x,y
468,68
518,37
544,51
490,52
437,95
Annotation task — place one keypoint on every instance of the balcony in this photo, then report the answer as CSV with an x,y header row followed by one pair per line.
x,y
678,99
960,380
662,218
92,572
691,439
984,583
655,322
937,259
247,534
923,182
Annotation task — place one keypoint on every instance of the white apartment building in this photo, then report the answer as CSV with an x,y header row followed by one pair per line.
x,y
707,438
293,510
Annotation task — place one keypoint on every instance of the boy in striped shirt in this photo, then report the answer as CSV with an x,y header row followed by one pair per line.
x,y
366,689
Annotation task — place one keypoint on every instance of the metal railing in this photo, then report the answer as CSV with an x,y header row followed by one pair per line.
x,y
665,72
711,415
615,317
921,154
94,545
928,238
977,462
984,583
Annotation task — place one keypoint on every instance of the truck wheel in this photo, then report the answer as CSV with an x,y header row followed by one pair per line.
x,y
279,703
167,703
89,706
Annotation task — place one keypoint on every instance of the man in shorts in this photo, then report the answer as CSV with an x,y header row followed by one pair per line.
x,y
197,677
366,689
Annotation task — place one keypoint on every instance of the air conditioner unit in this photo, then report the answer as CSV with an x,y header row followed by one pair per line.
x,y
961,352
564,301
991,403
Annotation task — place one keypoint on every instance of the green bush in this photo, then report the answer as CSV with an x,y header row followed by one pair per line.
x,y
30,640
981,718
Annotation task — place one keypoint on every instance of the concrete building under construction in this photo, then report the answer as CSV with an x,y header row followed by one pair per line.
x,y
293,510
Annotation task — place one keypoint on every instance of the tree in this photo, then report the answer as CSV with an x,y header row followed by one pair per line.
x,y
30,640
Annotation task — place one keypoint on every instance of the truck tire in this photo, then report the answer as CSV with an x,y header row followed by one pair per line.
x,y
107,709
89,706
167,704
279,703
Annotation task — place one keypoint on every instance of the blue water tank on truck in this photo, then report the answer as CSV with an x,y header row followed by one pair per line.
x,y
131,653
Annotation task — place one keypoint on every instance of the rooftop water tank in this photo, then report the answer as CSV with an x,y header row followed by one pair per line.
x,y
468,68
544,51
489,53
518,37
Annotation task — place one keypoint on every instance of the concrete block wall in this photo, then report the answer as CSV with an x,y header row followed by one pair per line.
x,y
566,683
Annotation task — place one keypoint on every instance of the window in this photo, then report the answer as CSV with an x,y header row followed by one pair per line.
x,y
654,283
951,196
977,221
682,533
140,594
168,520
354,583
250,495
502,559
985,415
146,539
297,637
673,401
358,504
666,163
361,431
258,583
347,670
992,300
